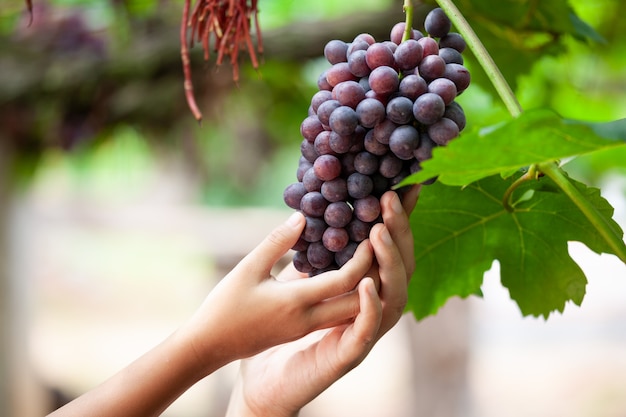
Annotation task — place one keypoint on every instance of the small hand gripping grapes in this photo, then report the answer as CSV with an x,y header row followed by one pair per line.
x,y
380,110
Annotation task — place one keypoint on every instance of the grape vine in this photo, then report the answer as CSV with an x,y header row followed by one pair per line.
x,y
608,232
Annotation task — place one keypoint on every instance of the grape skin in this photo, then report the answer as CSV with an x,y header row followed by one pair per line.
x,y
381,109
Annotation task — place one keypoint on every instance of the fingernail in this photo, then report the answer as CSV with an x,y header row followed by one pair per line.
x,y
396,205
386,237
294,219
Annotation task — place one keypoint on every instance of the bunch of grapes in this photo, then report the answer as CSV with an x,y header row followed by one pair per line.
x,y
380,110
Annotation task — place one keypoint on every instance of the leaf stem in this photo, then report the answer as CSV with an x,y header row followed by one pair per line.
x,y
531,174
408,27
483,57
600,222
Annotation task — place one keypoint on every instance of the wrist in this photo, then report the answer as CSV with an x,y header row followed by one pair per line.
x,y
238,406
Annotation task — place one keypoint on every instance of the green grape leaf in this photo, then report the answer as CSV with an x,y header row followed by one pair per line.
x,y
460,231
518,33
535,137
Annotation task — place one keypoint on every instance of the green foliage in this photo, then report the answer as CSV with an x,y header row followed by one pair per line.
x,y
485,207
460,231
520,33
533,138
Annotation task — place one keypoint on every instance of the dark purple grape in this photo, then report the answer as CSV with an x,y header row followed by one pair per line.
x,y
431,67
347,163
373,146
443,131
358,64
453,40
397,33
383,130
318,98
390,165
327,167
343,256
293,195
379,55
408,54
437,24
403,141
349,93
319,256
359,136
429,46
308,150
301,262
459,75
384,80
444,88
325,109
428,108
335,51
381,184
313,229
313,204
400,110
322,82
338,73
366,163
367,209
451,56
425,149
335,239
300,245
311,182
356,45
455,112
340,144
322,144
359,185
343,120
392,46
303,167
310,128
365,83
358,230
335,190
412,86
366,37
370,112
338,214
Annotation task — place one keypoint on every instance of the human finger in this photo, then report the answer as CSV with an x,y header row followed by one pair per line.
x,y
393,288
397,222
334,283
410,198
359,338
259,262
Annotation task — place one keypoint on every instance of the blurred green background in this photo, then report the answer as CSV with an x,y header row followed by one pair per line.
x,y
114,202
96,86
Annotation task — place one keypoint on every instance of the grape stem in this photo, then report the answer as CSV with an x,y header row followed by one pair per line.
x,y
551,169
408,27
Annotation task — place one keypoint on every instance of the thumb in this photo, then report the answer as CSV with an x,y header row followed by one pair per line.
x,y
262,258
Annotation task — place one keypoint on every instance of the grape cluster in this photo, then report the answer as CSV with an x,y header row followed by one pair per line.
x,y
380,110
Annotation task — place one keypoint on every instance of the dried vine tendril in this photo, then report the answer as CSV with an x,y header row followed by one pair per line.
x,y
227,24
